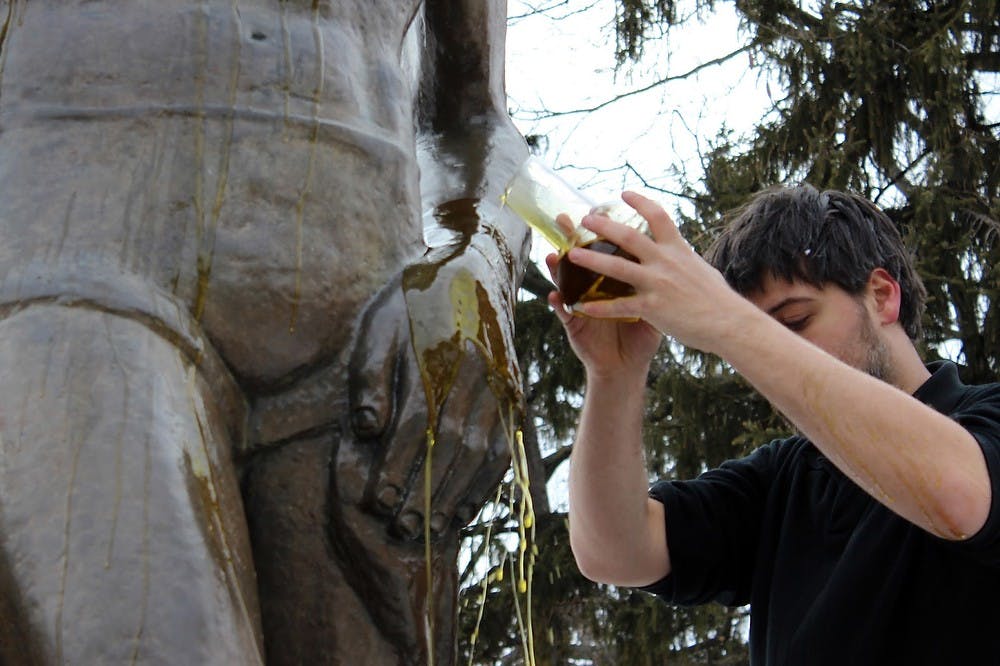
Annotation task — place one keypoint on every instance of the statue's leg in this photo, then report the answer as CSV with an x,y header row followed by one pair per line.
x,y
122,537
311,614
331,595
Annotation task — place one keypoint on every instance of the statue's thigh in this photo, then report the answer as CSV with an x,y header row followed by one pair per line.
x,y
121,526
312,612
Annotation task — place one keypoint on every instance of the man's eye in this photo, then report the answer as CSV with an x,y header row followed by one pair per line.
x,y
796,324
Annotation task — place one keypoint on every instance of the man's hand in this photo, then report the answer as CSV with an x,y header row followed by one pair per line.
x,y
605,345
677,292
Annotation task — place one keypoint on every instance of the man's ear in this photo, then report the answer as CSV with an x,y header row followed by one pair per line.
x,y
886,296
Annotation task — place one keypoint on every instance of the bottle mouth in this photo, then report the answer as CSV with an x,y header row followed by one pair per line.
x,y
554,207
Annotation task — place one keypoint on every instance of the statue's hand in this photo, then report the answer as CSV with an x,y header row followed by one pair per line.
x,y
434,351
434,354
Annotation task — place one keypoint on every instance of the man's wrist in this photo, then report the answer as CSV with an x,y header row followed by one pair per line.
x,y
739,324
625,379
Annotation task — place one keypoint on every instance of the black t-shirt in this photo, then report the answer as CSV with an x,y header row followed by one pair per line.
x,y
831,575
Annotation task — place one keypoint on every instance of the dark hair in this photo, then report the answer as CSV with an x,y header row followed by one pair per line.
x,y
799,233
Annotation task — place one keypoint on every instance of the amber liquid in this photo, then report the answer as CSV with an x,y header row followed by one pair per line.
x,y
578,284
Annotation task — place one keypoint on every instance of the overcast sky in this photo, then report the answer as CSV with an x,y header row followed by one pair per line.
x,y
562,60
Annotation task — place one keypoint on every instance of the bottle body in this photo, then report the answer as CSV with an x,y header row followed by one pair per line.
x,y
554,208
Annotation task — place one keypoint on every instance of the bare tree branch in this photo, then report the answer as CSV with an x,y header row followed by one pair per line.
x,y
553,460
546,11
645,183
638,91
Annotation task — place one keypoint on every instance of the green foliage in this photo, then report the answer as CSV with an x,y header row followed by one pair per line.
x,y
691,423
633,22
882,98
554,375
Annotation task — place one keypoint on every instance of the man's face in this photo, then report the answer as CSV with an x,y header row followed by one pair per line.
x,y
830,318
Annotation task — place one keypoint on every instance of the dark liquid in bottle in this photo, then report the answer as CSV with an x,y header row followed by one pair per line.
x,y
580,284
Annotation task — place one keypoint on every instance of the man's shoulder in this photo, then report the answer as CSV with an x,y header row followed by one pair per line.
x,y
946,392
769,460
794,448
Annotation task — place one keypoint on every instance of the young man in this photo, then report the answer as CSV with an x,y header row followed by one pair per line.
x,y
870,537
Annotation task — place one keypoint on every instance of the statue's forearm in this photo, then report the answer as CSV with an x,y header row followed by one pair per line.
x,y
468,146
463,178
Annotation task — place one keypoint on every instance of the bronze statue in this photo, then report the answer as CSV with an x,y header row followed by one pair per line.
x,y
223,338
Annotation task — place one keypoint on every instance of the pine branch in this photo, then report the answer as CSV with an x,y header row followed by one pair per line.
x,y
987,61
535,282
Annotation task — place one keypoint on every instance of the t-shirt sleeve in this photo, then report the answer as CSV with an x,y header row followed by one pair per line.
x,y
713,527
981,417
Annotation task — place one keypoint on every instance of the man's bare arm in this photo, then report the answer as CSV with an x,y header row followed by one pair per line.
x,y
915,460
617,532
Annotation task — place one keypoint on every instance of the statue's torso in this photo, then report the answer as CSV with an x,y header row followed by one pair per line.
x,y
253,162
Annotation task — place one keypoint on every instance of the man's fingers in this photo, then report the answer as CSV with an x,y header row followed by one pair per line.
x,y
559,307
634,241
551,262
623,308
623,270
629,239
565,224
660,224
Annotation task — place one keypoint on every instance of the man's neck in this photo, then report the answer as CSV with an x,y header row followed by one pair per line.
x,y
908,369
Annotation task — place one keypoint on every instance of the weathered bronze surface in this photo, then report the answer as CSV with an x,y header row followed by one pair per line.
x,y
224,337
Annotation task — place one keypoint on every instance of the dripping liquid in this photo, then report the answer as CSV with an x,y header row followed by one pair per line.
x,y
476,321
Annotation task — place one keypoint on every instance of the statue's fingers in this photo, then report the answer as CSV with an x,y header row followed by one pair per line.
x,y
491,470
479,465
376,363
445,581
448,455
451,501
403,446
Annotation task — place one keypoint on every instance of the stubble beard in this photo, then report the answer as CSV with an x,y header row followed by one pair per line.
x,y
875,358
